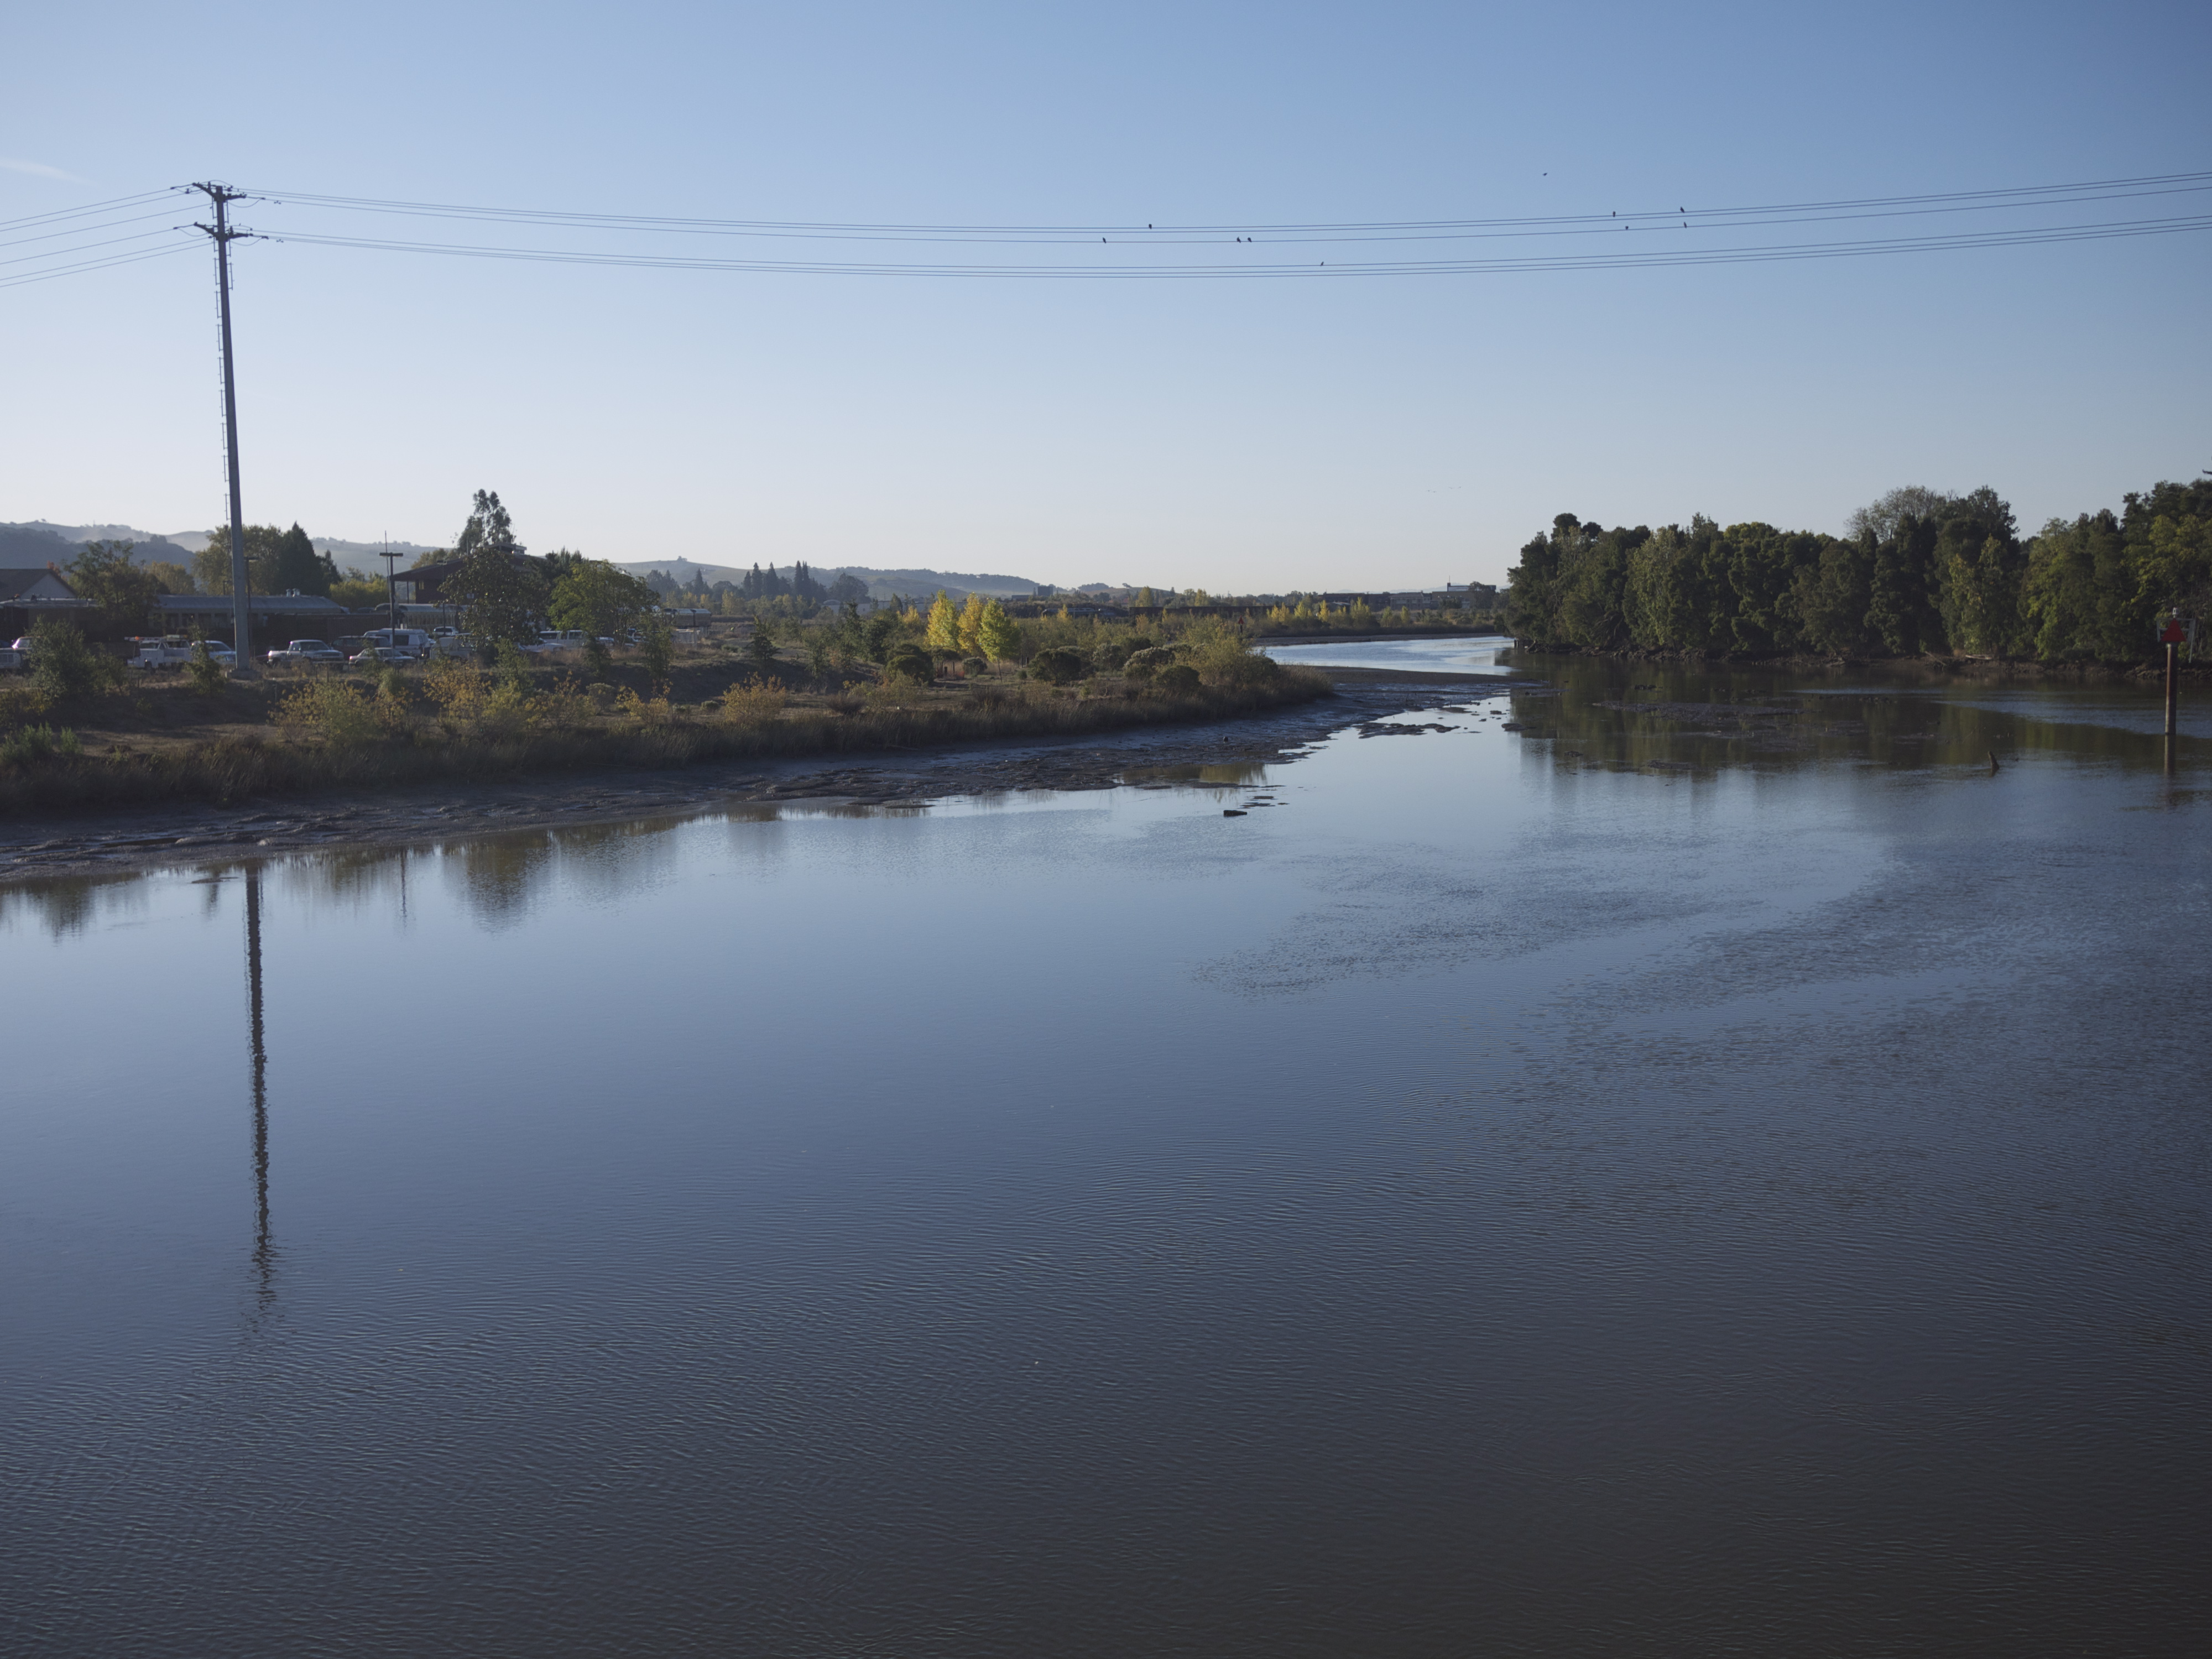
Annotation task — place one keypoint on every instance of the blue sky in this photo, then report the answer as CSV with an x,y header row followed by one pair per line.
x,y
1235,435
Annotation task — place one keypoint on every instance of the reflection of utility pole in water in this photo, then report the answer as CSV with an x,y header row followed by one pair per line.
x,y
263,1255
2174,631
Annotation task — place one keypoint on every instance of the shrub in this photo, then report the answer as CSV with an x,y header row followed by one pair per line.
x,y
28,744
1179,679
63,665
656,649
512,667
908,661
646,711
566,706
760,649
1108,657
1143,664
336,710
755,702
1058,665
1237,668
207,675
459,687
974,667
18,703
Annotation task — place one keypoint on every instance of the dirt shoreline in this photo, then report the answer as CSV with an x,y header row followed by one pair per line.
x,y
172,835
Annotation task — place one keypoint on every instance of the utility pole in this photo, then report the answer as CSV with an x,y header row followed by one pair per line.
x,y
223,235
391,591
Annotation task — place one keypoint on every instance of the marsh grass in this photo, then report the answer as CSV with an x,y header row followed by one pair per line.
x,y
342,738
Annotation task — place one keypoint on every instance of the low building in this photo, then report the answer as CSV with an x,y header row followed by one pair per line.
x,y
426,583
26,595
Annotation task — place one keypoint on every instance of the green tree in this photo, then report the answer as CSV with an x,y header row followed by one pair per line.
x,y
499,594
488,527
996,636
1881,521
359,590
124,592
211,564
597,598
293,566
879,635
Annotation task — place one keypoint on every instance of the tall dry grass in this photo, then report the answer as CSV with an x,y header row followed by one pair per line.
x,y
359,742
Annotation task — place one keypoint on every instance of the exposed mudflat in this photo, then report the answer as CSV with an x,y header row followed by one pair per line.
x,y
194,832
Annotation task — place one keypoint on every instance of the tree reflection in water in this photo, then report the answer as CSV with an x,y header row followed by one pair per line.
x,y
1699,718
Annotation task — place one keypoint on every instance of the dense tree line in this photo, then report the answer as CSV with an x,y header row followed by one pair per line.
x,y
1920,572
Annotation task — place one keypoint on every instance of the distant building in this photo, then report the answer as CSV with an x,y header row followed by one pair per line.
x,y
43,585
32,593
425,583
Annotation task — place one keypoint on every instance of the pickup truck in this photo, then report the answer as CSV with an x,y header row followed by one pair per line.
x,y
175,650
306,651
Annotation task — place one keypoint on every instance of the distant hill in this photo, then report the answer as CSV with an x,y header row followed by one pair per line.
x,y
24,545
58,544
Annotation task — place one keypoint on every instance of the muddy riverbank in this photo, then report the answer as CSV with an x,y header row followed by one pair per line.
x,y
192,833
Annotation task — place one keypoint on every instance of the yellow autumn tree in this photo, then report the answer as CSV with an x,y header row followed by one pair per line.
x,y
972,624
943,632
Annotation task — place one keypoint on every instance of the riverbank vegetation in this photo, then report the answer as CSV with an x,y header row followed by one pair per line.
x,y
297,730
1921,573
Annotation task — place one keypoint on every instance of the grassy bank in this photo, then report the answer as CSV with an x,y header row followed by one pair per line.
x,y
301,733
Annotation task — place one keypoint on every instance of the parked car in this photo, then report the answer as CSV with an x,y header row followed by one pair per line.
x,y
385,655
175,650
306,651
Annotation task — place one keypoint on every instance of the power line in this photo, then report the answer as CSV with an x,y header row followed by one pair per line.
x,y
86,230
80,244
1948,201
22,278
1647,259
84,247
94,207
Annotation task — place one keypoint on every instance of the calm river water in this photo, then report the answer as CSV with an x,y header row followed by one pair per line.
x,y
1729,1181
